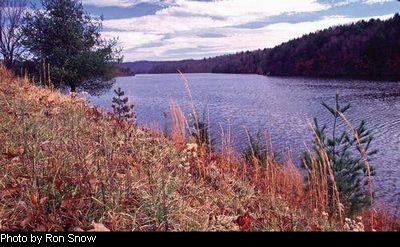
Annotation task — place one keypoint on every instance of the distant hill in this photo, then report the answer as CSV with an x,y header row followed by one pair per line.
x,y
363,49
124,71
188,66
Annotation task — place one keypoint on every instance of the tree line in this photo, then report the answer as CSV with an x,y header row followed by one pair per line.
x,y
363,49
57,42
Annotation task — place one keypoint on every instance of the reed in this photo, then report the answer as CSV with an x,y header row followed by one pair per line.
x,y
320,187
179,123
365,161
68,166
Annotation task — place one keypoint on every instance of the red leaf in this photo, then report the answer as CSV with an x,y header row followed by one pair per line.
x,y
66,203
213,157
244,222
16,152
57,184
34,199
93,181
8,192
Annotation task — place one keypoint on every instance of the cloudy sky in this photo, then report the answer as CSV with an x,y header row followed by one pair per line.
x,y
180,29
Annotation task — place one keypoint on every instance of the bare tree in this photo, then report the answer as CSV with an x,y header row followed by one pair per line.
x,y
11,15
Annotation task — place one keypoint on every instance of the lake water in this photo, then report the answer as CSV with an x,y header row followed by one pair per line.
x,y
278,105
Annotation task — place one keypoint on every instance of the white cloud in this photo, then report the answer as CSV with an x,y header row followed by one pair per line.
x,y
176,29
230,8
376,1
117,3
235,39
103,3
187,15
129,40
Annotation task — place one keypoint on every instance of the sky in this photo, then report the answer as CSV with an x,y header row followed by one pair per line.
x,y
184,29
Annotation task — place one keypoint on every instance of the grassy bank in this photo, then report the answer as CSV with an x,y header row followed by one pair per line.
x,y
67,166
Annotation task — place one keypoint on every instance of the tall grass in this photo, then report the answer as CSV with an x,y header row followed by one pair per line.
x,y
69,166
365,160
322,183
179,123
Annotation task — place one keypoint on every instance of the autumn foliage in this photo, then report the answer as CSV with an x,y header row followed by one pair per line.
x,y
67,166
367,49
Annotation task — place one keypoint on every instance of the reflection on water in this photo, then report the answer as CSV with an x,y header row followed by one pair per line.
x,y
281,106
97,87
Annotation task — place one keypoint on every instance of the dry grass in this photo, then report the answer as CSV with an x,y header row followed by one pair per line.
x,y
66,166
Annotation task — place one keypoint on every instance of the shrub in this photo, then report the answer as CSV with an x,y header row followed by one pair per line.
x,y
348,156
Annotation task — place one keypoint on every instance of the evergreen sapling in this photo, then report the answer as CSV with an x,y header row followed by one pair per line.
x,y
121,106
348,154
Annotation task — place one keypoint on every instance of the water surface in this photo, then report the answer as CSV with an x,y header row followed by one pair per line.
x,y
281,106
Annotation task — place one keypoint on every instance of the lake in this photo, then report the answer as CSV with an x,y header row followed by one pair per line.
x,y
280,106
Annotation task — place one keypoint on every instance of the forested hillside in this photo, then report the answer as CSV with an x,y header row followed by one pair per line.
x,y
363,49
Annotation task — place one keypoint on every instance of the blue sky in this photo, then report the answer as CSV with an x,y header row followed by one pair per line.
x,y
181,29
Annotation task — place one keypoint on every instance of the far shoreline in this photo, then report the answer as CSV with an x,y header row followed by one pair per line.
x,y
338,77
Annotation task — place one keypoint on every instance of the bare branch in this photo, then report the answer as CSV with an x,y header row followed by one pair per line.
x,y
11,15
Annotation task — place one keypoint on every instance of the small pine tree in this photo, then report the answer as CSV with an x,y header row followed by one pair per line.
x,y
121,106
200,130
346,157
256,150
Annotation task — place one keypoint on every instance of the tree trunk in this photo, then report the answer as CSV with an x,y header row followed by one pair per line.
x,y
8,62
73,87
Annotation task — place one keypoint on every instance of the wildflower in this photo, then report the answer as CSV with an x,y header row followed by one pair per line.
x,y
192,146
16,160
352,225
